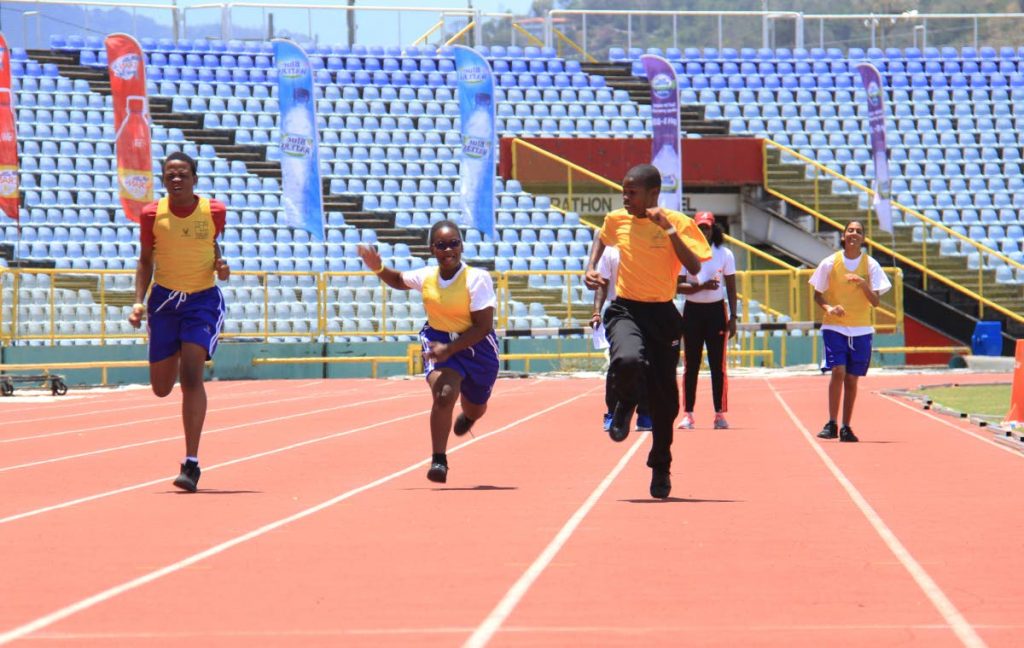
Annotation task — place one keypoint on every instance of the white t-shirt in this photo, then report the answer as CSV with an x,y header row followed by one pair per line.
x,y
479,283
608,268
721,265
820,282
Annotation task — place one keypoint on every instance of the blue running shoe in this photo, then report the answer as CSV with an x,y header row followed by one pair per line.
x,y
643,423
607,422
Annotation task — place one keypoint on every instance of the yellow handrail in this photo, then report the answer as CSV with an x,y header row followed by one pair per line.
x,y
459,34
530,37
422,39
568,41
928,272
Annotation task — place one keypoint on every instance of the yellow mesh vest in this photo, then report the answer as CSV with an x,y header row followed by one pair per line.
x,y
851,297
447,308
183,248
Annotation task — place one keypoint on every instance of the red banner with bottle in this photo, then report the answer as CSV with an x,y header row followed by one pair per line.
x,y
127,69
9,193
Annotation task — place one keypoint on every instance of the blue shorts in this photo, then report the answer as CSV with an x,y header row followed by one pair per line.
x,y
176,317
478,365
852,352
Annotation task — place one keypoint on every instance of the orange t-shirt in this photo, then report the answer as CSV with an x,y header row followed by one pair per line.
x,y
648,265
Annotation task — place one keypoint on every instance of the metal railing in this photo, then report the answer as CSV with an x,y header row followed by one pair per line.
x,y
928,224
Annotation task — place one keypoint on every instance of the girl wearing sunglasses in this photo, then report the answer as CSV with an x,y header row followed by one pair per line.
x,y
460,349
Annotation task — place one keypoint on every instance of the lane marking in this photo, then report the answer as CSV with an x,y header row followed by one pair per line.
x,y
956,621
492,623
176,404
941,419
112,592
178,437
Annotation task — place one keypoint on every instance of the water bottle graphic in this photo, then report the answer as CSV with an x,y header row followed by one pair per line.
x,y
134,159
297,140
477,143
667,162
8,157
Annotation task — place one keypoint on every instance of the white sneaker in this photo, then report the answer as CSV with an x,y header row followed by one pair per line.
x,y
687,422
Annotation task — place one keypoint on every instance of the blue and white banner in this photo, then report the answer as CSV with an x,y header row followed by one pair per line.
x,y
301,189
666,155
476,112
872,81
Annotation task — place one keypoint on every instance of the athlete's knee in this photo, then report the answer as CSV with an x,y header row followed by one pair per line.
x,y
445,395
162,390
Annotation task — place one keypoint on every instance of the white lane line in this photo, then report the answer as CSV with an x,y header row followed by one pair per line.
x,y
956,621
135,583
178,437
176,415
941,419
492,623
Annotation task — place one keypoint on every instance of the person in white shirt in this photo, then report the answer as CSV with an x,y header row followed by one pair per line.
x,y
847,285
707,322
608,267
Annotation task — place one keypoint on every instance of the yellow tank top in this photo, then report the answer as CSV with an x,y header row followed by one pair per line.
x,y
183,248
448,307
851,297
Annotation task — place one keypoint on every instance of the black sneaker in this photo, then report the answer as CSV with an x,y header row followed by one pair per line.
x,y
462,425
188,479
438,472
621,420
846,435
830,431
661,483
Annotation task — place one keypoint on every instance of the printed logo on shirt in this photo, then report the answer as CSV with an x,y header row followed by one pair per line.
x,y
202,231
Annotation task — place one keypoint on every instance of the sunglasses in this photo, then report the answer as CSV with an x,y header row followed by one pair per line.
x,y
448,245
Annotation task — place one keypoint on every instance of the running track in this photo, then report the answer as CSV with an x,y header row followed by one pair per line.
x,y
315,524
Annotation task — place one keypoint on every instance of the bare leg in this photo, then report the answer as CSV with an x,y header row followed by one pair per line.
x,y
163,375
444,385
473,410
193,392
850,398
835,391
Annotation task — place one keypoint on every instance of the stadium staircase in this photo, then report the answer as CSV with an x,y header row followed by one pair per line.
x,y
940,306
620,77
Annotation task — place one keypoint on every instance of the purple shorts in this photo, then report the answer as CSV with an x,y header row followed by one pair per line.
x,y
478,365
852,352
175,317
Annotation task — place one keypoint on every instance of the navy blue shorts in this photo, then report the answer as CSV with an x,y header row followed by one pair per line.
x,y
852,352
176,317
478,365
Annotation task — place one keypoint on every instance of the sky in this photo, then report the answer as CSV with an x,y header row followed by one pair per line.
x,y
374,27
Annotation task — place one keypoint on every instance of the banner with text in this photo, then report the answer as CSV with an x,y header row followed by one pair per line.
x,y
665,149
872,81
301,188
476,113
127,69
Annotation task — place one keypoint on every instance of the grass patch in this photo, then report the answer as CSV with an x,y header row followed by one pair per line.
x,y
982,400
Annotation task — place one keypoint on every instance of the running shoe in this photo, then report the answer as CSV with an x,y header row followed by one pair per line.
x,y
621,421
462,425
188,479
607,422
846,435
644,423
438,472
687,422
661,483
720,422
830,431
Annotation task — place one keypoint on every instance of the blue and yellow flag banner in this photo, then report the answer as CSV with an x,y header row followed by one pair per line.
x,y
666,155
301,189
476,111
872,81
